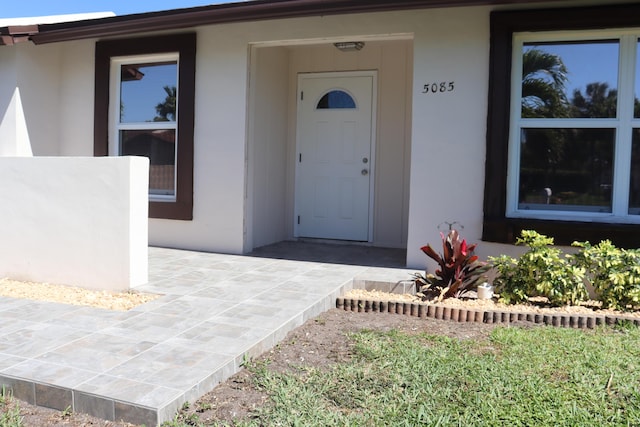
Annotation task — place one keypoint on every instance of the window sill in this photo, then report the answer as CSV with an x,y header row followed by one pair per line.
x,y
171,210
584,217
564,232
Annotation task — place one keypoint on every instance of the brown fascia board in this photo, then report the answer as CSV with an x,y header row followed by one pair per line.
x,y
6,40
234,12
16,34
21,30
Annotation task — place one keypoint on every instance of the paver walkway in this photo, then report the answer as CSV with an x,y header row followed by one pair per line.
x,y
142,365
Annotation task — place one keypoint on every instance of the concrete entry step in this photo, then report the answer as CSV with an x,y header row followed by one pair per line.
x,y
334,253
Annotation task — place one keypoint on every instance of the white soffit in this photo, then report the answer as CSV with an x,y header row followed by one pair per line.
x,y
54,19
329,40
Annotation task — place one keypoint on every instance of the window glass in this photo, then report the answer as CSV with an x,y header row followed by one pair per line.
x,y
570,80
634,188
566,169
147,120
336,99
159,145
636,99
148,92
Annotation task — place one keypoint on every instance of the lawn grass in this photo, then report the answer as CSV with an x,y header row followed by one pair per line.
x,y
541,376
9,410
518,377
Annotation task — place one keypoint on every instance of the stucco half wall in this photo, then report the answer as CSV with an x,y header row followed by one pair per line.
x,y
78,221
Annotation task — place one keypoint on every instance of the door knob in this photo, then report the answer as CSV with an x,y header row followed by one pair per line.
x,y
365,172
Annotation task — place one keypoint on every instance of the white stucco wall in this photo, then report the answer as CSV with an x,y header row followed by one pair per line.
x,y
220,143
267,150
449,129
447,132
38,86
74,221
39,79
14,139
76,90
30,100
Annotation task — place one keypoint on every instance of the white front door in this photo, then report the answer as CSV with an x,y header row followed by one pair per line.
x,y
334,164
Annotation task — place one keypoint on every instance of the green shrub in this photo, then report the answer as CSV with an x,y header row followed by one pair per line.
x,y
614,273
540,272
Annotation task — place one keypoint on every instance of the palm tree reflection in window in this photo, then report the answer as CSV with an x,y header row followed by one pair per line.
x,y
544,76
166,110
570,167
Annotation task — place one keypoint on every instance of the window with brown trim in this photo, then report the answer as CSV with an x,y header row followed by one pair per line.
x,y
144,105
562,155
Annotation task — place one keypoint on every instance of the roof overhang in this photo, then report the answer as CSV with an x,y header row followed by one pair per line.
x,y
17,33
220,13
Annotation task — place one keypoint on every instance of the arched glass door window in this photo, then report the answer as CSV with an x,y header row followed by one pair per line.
x,y
336,99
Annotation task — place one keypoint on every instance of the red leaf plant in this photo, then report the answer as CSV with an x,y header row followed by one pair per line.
x,y
459,270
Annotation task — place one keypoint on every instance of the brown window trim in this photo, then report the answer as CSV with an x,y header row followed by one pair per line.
x,y
185,45
496,226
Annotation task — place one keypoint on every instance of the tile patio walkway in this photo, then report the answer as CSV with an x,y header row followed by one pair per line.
x,y
142,365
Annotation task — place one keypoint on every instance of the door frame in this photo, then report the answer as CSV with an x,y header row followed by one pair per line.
x,y
372,156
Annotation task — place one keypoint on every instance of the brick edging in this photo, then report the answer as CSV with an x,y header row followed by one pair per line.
x,y
458,314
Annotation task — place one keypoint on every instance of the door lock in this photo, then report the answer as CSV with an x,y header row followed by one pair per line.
x,y
365,160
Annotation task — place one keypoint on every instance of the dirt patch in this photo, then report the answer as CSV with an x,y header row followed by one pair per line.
x,y
120,301
35,416
319,343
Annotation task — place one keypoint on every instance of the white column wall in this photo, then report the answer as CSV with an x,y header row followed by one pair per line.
x,y
8,71
30,94
14,139
449,129
267,219
77,95
39,82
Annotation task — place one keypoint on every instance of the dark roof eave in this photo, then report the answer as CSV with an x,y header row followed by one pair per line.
x,y
17,33
232,12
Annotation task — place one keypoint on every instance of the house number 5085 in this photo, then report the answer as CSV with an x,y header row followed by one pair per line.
x,y
438,87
